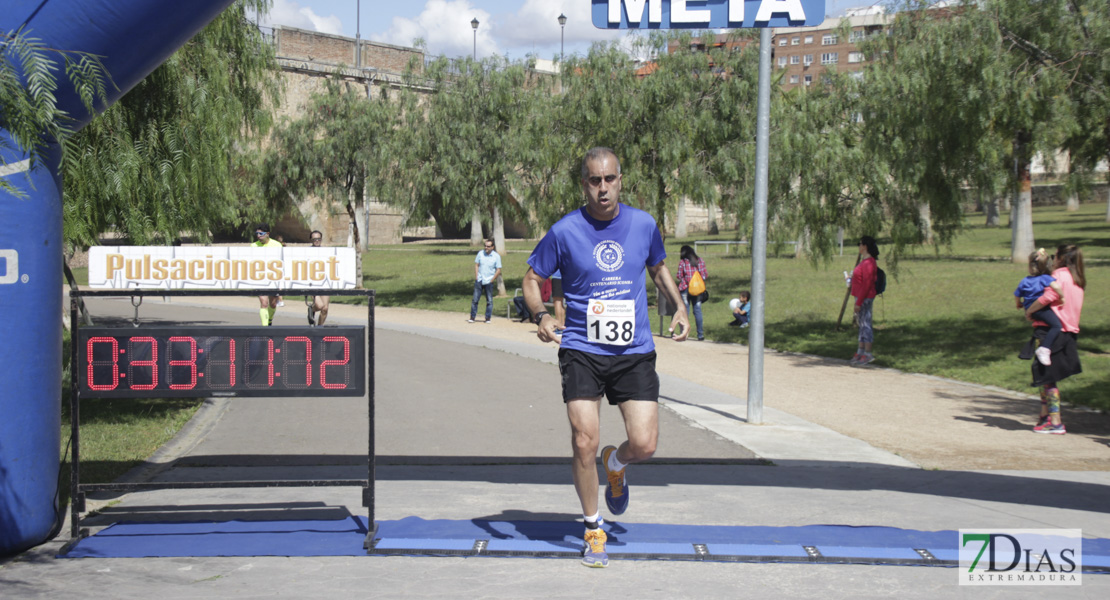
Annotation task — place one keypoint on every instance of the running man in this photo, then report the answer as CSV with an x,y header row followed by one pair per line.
x,y
602,250
319,304
268,304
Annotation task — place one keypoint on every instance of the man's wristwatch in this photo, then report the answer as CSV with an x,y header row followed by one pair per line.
x,y
539,316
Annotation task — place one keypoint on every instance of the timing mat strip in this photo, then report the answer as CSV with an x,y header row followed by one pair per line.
x,y
413,536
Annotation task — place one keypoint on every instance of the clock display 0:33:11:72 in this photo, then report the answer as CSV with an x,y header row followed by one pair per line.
x,y
192,362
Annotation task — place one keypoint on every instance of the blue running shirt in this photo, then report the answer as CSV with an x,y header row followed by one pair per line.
x,y
603,264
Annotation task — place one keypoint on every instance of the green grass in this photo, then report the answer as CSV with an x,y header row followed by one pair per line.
x,y
119,434
946,312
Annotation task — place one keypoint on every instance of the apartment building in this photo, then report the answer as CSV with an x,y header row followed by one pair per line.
x,y
805,54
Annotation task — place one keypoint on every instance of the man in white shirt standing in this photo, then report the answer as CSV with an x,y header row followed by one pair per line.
x,y
487,268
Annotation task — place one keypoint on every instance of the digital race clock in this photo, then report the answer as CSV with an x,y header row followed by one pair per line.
x,y
197,362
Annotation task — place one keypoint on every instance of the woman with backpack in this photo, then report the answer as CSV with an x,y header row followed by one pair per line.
x,y
690,265
863,288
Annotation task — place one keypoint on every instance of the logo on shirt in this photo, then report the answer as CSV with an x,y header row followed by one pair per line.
x,y
609,256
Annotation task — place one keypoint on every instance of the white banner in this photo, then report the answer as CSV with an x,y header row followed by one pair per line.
x,y
221,267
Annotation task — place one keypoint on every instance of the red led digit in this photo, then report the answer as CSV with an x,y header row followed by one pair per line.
x,y
291,362
218,366
191,363
101,365
135,350
333,363
254,346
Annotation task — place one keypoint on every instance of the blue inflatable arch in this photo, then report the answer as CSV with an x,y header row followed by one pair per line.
x,y
132,37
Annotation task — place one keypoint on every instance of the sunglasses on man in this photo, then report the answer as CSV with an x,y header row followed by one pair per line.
x,y
262,233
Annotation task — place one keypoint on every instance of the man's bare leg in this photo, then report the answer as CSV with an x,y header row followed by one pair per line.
x,y
585,431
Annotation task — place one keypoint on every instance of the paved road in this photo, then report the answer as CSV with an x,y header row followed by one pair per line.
x,y
470,426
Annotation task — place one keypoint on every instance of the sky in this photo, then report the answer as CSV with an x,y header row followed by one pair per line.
x,y
513,28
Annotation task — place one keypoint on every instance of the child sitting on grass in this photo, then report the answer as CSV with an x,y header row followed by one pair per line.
x,y
1029,290
740,308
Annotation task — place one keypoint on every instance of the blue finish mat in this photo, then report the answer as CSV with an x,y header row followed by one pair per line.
x,y
413,536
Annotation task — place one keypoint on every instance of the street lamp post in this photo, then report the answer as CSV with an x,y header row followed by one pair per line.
x,y
562,34
474,26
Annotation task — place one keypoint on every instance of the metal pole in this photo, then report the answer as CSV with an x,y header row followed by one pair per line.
x,y
358,34
759,233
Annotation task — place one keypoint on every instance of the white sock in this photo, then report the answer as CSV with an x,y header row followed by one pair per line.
x,y
614,463
594,519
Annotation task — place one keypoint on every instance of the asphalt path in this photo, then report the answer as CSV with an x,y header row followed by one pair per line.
x,y
469,426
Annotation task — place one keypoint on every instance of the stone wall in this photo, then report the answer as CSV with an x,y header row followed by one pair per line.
x,y
1051,195
336,50
307,60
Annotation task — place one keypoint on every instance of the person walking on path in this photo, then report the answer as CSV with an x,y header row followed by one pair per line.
x,y
267,304
1068,272
607,349
863,288
487,268
689,264
318,308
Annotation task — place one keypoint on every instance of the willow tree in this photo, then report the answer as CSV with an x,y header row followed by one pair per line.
x,y
28,105
1072,37
175,153
458,153
951,107
335,152
660,119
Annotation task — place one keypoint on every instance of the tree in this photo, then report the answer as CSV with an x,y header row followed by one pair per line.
x,y
661,121
176,154
335,151
1072,37
458,155
950,107
28,109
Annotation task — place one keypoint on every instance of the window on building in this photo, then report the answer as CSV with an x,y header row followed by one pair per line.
x,y
809,39
830,58
793,79
782,61
795,59
782,41
807,60
809,79
858,35
855,57
828,40
794,41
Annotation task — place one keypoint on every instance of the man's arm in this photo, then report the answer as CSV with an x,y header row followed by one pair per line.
x,y
496,274
534,300
663,280
475,271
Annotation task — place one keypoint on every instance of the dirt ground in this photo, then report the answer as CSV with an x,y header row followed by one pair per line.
x,y
936,423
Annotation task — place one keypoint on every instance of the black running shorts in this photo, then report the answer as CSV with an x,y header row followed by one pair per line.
x,y
618,378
